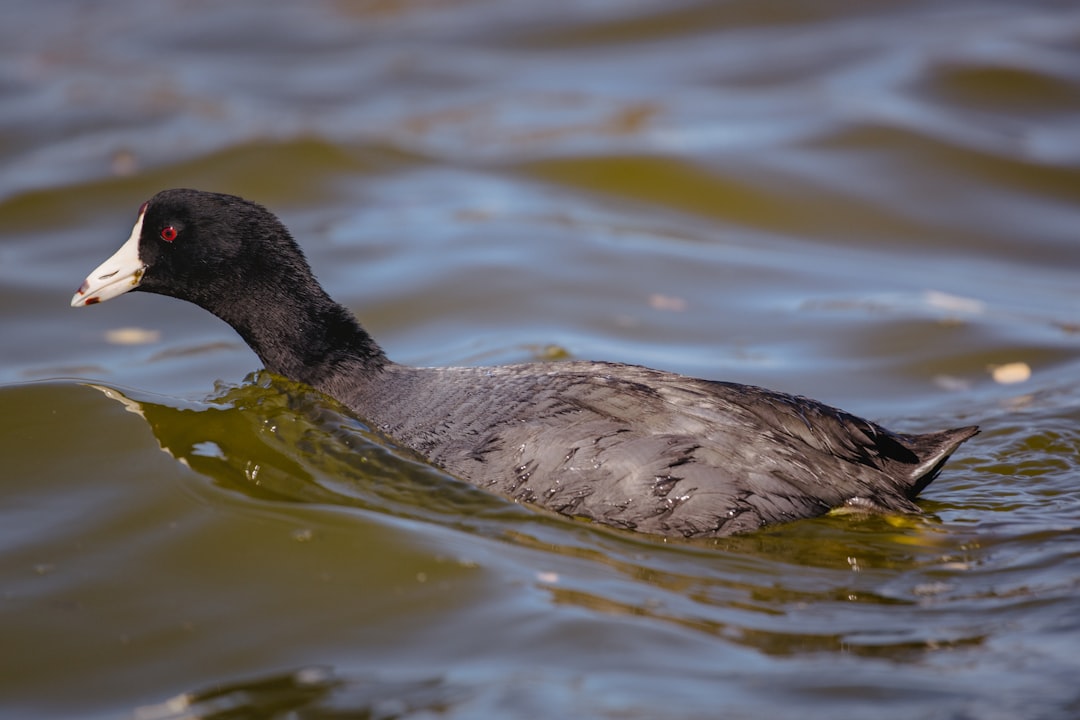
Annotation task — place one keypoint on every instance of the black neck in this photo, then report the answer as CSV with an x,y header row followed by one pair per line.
x,y
299,332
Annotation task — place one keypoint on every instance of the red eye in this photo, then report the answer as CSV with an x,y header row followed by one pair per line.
x,y
168,233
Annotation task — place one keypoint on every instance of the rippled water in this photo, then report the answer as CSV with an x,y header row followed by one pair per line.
x,y
876,205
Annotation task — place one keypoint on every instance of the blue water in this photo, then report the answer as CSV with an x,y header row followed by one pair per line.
x,y
876,206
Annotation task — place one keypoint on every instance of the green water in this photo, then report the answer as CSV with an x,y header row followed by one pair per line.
x,y
874,205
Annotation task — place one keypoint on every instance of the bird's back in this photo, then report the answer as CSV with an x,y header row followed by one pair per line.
x,y
651,451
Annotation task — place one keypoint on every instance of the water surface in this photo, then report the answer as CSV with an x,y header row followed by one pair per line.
x,y
874,205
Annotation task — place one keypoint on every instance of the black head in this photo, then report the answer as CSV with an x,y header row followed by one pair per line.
x,y
234,258
198,246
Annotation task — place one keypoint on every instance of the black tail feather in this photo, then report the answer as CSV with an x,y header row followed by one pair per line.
x,y
933,449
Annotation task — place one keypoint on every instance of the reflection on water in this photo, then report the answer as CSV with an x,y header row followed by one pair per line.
x,y
313,693
276,440
875,205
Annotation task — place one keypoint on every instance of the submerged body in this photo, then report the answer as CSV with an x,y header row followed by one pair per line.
x,y
619,444
651,451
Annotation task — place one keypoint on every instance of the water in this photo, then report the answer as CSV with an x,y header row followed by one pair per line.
x,y
874,205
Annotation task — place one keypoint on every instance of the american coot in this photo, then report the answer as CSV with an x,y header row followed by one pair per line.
x,y
618,444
